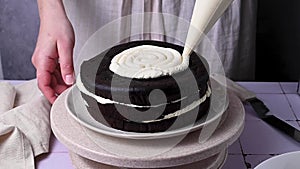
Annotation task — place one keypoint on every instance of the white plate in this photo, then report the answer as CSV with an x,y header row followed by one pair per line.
x,y
290,160
76,108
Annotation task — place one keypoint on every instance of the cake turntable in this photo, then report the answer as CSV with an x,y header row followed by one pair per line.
x,y
90,148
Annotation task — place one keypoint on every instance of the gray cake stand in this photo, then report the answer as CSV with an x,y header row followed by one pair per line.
x,y
86,151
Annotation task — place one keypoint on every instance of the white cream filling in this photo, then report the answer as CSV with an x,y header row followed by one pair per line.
x,y
185,109
148,61
177,113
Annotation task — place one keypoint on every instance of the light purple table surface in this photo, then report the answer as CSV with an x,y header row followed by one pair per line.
x,y
258,142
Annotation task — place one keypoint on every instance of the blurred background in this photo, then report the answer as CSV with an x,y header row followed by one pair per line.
x,y
19,25
277,44
278,40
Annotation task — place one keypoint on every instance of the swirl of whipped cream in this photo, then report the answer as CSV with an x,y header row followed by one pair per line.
x,y
148,61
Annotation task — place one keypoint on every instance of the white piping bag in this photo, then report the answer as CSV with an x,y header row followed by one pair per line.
x,y
205,15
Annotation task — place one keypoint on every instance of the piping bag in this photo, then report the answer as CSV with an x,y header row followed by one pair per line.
x,y
205,15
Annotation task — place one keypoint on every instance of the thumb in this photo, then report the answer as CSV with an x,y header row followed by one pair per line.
x,y
65,52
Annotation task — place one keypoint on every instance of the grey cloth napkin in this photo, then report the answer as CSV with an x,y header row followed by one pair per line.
x,y
24,125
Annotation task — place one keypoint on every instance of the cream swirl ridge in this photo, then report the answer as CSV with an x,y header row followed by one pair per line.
x,y
148,61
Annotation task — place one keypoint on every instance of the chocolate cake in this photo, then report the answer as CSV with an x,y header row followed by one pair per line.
x,y
144,104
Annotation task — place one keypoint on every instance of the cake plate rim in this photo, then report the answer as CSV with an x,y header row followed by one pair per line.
x,y
85,119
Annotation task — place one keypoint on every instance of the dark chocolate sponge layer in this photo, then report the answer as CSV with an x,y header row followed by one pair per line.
x,y
109,116
97,78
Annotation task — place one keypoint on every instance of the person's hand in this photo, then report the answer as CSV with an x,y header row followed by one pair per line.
x,y
53,55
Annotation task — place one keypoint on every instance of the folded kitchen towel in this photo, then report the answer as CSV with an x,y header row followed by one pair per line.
x,y
26,91
25,127
7,95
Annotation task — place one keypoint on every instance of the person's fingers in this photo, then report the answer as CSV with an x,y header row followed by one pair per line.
x,y
45,55
65,52
45,61
58,76
44,79
59,88
58,84
50,83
